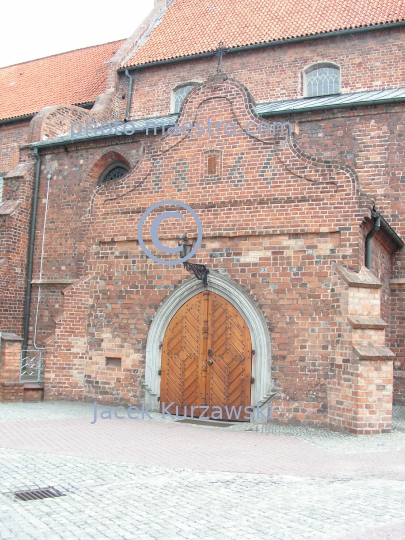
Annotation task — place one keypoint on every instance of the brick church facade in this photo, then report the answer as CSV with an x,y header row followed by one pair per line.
x,y
287,141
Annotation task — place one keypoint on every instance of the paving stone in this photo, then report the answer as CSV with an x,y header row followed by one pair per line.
x,y
300,483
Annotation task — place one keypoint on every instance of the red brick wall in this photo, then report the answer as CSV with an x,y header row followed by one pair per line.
x,y
67,350
10,359
11,389
74,178
12,136
275,73
268,225
364,387
14,241
275,222
364,137
367,138
382,250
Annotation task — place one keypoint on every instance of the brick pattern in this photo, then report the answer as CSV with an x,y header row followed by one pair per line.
x,y
276,73
67,349
11,389
361,397
360,385
286,264
399,387
14,231
12,136
11,392
368,140
276,220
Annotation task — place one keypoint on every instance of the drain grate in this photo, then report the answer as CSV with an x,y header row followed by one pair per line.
x,y
37,494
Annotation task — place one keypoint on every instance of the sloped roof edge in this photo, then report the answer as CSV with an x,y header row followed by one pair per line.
x,y
257,23
61,54
75,77
263,44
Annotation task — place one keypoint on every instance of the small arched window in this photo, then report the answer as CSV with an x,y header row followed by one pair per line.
x,y
179,95
116,170
321,80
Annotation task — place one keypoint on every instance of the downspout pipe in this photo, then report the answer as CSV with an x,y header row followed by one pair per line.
x,y
374,230
31,249
129,96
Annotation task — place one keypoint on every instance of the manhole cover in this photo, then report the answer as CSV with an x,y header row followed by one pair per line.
x,y
204,422
37,494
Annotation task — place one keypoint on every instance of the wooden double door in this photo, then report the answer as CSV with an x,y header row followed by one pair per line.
x,y
206,360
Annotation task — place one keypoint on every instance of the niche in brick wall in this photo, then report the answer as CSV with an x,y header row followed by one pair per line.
x,y
112,362
211,164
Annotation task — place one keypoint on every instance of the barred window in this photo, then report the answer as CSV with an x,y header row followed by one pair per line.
x,y
113,172
322,81
179,96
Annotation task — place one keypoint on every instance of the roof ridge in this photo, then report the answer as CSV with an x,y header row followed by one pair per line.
x,y
62,53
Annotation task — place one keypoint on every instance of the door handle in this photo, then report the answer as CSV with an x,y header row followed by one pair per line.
x,y
210,362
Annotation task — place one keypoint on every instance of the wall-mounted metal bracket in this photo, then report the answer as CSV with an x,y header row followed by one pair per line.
x,y
200,271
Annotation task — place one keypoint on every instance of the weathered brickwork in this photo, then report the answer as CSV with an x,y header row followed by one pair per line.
x,y
369,139
397,337
67,349
12,137
287,266
276,72
360,383
14,239
280,216
11,389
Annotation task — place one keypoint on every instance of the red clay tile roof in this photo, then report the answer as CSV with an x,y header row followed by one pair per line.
x,y
70,78
192,27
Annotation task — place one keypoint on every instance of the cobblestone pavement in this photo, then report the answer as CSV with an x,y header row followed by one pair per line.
x,y
155,479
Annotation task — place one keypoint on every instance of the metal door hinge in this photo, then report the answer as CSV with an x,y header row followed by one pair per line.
x,y
252,380
160,345
253,352
159,372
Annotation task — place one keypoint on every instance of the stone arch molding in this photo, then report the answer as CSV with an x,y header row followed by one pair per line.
x,y
240,299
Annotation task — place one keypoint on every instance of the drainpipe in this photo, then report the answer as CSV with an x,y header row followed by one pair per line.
x,y
131,82
374,230
31,249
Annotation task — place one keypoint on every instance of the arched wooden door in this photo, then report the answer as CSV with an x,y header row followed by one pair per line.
x,y
206,360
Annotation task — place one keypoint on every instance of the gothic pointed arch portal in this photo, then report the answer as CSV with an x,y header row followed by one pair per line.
x,y
249,312
206,360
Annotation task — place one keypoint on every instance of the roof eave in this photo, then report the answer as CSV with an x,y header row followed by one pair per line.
x,y
383,26
386,227
327,107
17,118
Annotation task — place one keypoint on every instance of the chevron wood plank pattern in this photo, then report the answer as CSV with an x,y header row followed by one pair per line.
x,y
207,359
